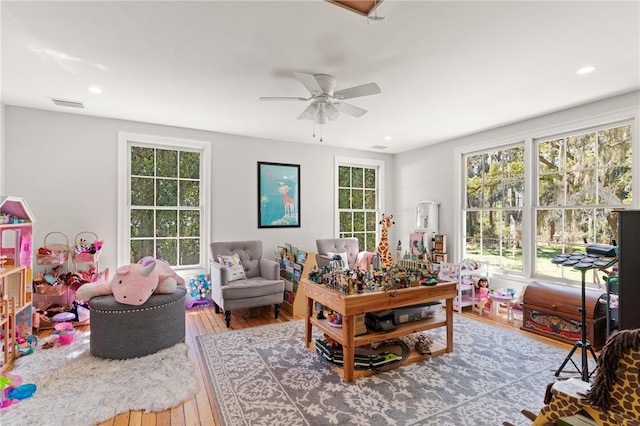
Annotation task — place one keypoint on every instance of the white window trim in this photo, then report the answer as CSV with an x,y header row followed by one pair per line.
x,y
631,115
123,229
355,162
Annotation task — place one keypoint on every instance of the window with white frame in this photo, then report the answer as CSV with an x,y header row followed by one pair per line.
x,y
164,203
494,188
581,178
358,195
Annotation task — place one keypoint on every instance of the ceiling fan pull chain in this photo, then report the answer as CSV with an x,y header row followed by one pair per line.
x,y
321,133
314,129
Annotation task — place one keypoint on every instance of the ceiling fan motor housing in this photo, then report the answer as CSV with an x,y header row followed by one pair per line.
x,y
327,83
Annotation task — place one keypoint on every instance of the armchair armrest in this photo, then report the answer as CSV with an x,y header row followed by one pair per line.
x,y
269,269
219,274
323,260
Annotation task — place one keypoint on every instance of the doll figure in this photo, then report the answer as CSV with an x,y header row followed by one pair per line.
x,y
483,301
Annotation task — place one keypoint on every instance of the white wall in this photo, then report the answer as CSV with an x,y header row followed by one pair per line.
x,y
2,148
426,173
64,165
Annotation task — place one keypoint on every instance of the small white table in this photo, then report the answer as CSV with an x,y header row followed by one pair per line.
x,y
496,300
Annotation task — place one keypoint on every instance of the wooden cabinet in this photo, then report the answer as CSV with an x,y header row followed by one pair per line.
x,y
351,305
629,269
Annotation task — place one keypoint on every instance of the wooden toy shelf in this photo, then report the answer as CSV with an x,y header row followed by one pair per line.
x,y
296,308
13,300
351,305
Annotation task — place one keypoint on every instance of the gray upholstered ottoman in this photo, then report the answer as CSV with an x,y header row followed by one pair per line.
x,y
120,331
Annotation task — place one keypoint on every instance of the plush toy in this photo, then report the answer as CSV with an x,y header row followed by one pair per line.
x,y
134,284
165,269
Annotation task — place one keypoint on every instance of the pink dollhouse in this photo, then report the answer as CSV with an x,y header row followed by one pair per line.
x,y
16,253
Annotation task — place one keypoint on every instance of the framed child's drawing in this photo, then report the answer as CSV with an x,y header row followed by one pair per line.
x,y
415,244
278,195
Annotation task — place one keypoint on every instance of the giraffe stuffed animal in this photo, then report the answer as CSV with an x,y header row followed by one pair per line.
x,y
386,258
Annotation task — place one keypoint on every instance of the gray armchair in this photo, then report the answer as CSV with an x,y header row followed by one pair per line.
x,y
337,245
262,285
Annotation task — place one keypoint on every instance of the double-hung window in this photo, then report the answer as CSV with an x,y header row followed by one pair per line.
x,y
358,197
493,210
163,200
581,178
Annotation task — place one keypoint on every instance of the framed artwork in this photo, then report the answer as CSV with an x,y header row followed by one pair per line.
x,y
278,195
415,243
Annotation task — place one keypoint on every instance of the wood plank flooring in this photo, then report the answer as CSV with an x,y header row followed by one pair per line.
x,y
201,410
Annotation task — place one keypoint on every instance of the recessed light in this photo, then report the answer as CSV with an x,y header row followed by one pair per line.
x,y
387,138
95,89
586,70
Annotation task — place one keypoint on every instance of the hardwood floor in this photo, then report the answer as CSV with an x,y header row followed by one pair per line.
x,y
201,410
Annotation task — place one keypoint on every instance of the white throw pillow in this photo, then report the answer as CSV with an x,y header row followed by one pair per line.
x,y
345,259
236,271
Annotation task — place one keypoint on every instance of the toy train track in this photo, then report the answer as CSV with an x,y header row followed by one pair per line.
x,y
333,354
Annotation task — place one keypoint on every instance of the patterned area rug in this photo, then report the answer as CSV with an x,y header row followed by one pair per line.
x,y
265,376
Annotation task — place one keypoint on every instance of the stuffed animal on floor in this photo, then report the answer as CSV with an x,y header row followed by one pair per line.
x,y
134,284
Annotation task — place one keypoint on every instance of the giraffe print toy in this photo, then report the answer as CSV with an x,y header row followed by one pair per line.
x,y
386,258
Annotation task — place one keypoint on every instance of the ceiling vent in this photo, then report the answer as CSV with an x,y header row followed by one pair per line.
x,y
379,147
67,103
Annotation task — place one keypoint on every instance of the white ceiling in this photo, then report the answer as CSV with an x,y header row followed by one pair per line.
x,y
445,69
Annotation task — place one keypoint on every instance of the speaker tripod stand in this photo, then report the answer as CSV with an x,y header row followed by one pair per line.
x,y
583,344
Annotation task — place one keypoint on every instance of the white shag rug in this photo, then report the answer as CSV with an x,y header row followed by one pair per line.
x,y
76,388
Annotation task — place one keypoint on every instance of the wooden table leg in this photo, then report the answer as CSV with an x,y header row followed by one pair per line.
x,y
449,304
307,322
348,334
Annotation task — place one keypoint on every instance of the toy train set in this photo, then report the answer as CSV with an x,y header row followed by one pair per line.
x,y
332,352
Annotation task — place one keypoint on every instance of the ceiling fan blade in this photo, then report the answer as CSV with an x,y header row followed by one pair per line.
x,y
357,91
309,81
282,98
350,109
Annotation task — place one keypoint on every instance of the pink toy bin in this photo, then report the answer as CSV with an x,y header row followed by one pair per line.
x,y
65,332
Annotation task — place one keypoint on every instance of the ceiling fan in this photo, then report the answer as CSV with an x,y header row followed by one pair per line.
x,y
326,102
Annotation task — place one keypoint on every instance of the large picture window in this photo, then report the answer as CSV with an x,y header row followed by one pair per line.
x,y
358,197
165,203
582,177
494,204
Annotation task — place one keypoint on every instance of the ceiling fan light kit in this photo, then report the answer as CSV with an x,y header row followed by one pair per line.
x,y
327,103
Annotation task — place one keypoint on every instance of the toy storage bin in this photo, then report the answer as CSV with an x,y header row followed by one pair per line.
x,y
49,290
53,253
85,251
